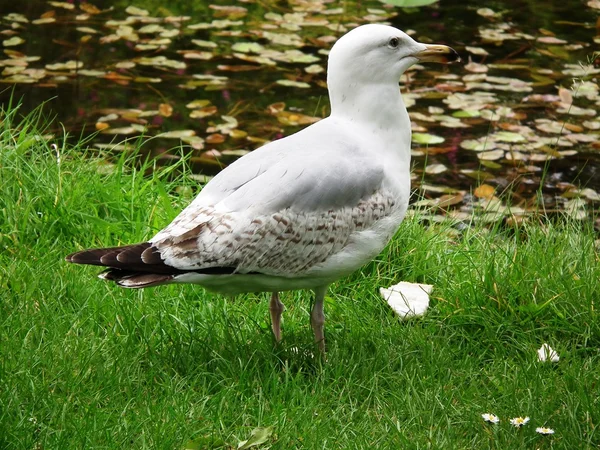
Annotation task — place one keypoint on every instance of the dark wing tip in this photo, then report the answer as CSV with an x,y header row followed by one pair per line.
x,y
111,256
135,280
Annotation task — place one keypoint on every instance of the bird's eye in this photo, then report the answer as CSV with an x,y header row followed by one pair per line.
x,y
394,42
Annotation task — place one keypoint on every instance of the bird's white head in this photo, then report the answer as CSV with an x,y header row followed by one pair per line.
x,y
365,66
379,53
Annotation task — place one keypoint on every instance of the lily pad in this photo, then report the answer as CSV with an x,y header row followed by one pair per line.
x,y
291,83
409,3
426,139
507,136
13,41
247,47
177,134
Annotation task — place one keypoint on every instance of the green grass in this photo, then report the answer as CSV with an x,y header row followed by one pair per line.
x,y
84,364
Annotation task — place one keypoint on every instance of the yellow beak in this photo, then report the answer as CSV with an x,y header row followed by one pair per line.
x,y
438,53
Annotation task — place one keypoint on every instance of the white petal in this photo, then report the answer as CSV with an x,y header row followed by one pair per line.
x,y
407,299
546,353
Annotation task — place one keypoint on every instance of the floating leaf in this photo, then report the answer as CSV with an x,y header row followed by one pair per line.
x,y
215,138
238,134
15,17
314,68
64,5
290,83
206,44
484,191
124,130
232,12
198,104
287,39
551,40
409,3
487,12
247,47
43,20
177,134
89,8
13,41
69,65
476,67
466,113
507,136
491,155
203,112
434,169
296,56
135,11
239,153
165,110
477,51
426,139
161,61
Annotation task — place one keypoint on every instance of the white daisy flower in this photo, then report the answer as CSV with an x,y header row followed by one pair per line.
x,y
545,431
519,421
547,353
491,418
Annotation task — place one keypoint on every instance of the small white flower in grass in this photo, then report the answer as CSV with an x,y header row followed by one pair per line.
x,y
491,418
547,353
545,431
519,421
407,299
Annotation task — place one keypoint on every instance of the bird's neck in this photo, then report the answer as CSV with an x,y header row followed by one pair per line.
x,y
376,107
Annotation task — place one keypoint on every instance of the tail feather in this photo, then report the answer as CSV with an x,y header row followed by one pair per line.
x,y
141,257
137,265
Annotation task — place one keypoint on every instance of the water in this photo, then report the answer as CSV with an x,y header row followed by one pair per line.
x,y
115,88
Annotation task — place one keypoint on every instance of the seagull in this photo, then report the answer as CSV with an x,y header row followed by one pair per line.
x,y
303,211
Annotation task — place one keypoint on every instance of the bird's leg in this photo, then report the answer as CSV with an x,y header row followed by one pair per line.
x,y
317,317
276,309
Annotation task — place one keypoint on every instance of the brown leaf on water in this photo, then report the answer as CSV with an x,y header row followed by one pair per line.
x,y
476,67
450,199
238,68
294,119
215,138
203,112
275,108
551,40
565,95
89,8
165,110
194,104
484,191
574,128
238,134
114,76
196,54
231,12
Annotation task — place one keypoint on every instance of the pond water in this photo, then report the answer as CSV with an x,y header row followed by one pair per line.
x,y
216,80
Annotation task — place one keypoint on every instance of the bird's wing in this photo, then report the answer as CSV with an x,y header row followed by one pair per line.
x,y
282,211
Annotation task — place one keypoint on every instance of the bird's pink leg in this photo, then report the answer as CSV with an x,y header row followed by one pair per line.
x,y
317,317
276,309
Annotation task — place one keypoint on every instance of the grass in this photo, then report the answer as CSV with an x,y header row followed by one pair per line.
x,y
84,364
